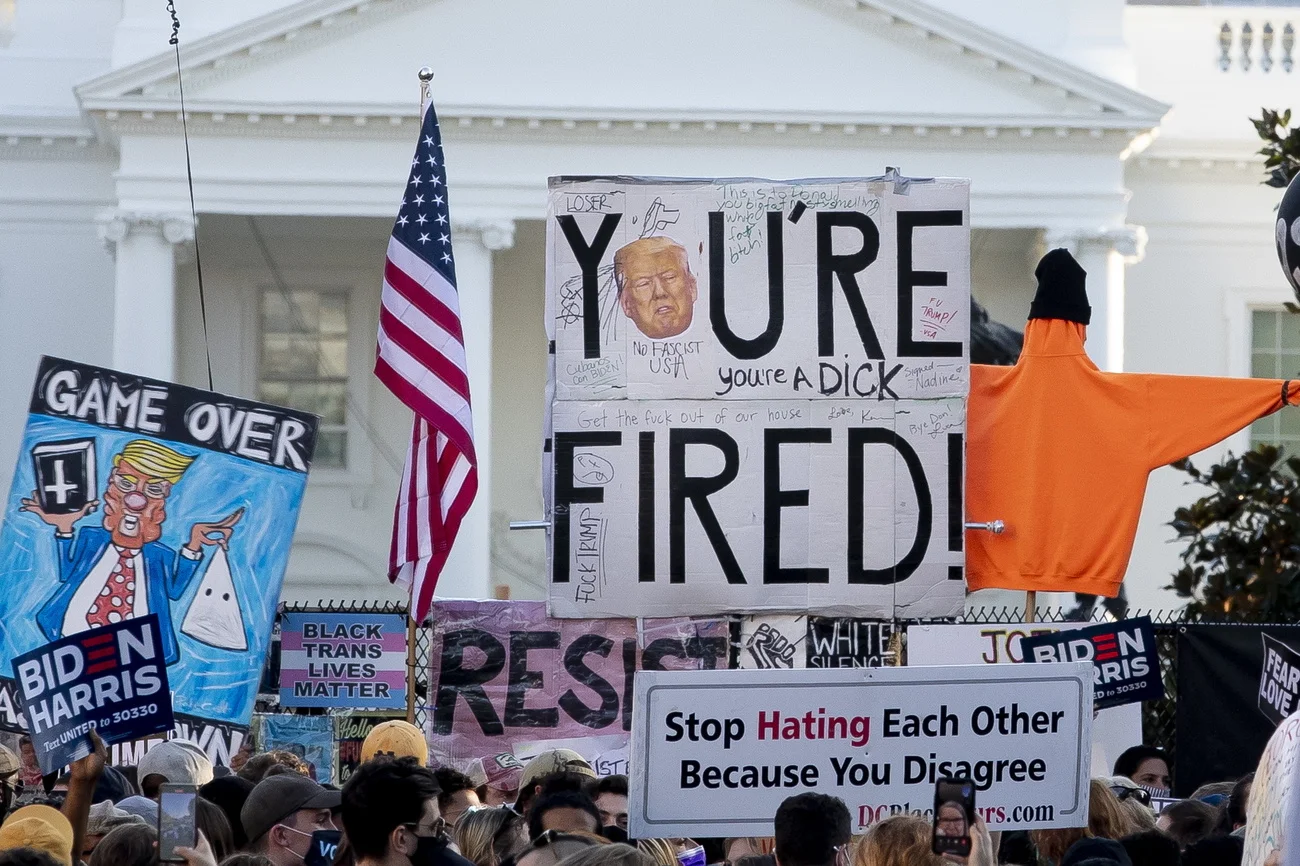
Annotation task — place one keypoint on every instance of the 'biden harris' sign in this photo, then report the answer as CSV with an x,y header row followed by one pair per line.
x,y
110,679
134,497
758,395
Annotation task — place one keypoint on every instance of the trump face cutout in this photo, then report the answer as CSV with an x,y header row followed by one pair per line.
x,y
656,288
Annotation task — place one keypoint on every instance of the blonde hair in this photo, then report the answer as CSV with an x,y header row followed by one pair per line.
x,y
616,854
646,247
1139,817
661,851
155,460
903,840
1107,819
482,835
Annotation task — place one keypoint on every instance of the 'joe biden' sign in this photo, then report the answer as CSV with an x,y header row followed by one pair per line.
x,y
759,395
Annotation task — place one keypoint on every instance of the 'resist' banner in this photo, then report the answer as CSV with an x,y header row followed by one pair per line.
x,y
758,396
504,676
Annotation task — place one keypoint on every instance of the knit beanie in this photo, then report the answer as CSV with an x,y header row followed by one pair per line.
x,y
1061,289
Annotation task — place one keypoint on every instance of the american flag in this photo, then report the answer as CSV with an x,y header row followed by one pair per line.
x,y
421,358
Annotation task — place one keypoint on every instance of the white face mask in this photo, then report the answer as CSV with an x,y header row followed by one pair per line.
x,y
297,833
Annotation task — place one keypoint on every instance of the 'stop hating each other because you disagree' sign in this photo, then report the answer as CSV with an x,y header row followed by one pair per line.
x,y
759,392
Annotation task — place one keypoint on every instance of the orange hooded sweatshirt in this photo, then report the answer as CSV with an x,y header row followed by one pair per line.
x,y
1060,452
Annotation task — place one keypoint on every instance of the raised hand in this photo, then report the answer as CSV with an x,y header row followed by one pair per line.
x,y
61,522
214,533
91,767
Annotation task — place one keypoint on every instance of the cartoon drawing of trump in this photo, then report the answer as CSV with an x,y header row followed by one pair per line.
x,y
121,570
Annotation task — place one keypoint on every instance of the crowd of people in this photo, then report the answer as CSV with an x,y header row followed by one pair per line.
x,y
393,810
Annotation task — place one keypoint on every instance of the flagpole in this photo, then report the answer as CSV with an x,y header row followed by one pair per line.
x,y
426,96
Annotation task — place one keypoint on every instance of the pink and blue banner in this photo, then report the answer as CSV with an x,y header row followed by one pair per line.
x,y
354,660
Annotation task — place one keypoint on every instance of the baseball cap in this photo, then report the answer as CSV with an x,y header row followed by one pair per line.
x,y
277,797
41,827
178,762
141,807
555,761
104,816
397,738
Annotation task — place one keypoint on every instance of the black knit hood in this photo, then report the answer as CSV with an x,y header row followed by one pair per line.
x,y
1061,289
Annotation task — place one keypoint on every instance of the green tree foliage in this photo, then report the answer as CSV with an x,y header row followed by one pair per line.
x,y
1243,551
1281,150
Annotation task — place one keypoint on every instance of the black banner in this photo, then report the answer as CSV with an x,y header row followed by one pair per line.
x,y
839,642
254,431
1279,680
1220,730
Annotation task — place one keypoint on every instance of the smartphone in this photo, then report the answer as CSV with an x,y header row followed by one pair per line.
x,y
176,824
954,813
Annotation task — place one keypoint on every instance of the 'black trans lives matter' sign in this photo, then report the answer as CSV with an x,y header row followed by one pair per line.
x,y
759,396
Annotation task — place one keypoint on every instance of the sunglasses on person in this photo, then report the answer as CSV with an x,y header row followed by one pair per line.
x,y
437,829
1123,792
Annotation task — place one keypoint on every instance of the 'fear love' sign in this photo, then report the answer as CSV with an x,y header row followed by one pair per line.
x,y
759,396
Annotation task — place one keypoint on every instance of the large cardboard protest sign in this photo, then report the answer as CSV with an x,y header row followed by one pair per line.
x,y
503,674
759,396
133,497
1113,730
347,660
718,751
112,680
1273,809
1126,667
1223,666
840,507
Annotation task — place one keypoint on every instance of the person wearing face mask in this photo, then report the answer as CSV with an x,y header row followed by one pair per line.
x,y
287,818
391,816
1148,766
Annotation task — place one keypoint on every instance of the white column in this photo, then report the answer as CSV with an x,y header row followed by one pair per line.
x,y
144,299
1104,253
468,573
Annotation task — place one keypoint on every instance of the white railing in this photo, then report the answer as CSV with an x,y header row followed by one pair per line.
x,y
1265,45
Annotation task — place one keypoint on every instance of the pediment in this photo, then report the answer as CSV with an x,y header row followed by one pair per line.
x,y
801,61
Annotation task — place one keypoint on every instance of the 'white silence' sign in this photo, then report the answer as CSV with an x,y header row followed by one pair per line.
x,y
758,395
716,752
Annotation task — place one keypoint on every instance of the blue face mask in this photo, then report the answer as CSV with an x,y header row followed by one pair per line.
x,y
323,847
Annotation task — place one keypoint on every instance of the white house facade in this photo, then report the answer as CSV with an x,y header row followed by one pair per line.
x,y
1119,131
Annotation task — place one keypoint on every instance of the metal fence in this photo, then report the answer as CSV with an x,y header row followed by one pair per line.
x,y
1158,720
